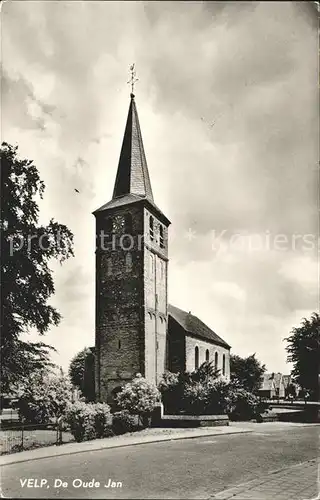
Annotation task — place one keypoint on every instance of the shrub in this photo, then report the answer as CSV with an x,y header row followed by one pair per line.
x,y
209,398
171,390
123,421
102,420
88,420
44,399
219,398
243,405
198,393
81,418
139,397
204,393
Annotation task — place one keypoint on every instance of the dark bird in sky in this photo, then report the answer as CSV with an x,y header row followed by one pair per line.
x,y
76,190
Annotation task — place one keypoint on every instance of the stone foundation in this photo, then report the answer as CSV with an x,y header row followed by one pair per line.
x,y
161,420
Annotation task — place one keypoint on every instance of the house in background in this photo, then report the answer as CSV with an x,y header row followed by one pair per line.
x,y
273,386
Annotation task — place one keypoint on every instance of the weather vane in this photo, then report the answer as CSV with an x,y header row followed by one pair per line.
x,y
133,78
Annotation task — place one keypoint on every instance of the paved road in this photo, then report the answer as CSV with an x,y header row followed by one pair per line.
x,y
193,468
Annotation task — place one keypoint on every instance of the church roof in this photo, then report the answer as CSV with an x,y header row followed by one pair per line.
x,y
194,326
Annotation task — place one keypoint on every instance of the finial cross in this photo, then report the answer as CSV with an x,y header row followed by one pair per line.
x,y
133,78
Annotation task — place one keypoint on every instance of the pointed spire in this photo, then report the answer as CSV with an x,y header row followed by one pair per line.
x,y
132,175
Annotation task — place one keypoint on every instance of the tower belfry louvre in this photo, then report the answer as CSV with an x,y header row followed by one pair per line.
x,y
131,273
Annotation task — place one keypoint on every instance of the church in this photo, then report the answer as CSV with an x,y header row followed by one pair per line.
x,y
137,331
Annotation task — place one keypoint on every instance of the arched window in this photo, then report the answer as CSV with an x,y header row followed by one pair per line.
x,y
128,262
151,227
196,357
161,239
216,361
207,355
224,364
128,224
109,225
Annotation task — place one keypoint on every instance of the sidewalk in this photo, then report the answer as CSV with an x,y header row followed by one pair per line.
x,y
152,435
298,482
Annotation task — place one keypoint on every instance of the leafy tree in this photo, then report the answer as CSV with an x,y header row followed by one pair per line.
x,y
26,279
291,390
81,373
246,372
44,398
77,368
304,352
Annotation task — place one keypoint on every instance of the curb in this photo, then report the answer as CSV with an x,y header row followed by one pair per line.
x,y
18,459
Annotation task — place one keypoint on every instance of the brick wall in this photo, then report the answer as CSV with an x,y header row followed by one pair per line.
x,y
119,302
192,342
131,302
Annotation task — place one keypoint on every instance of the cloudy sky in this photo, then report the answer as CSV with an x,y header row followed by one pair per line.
x,y
228,106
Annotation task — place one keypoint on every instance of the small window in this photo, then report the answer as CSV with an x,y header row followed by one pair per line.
x,y
151,227
119,344
207,355
161,237
196,357
224,364
128,262
216,361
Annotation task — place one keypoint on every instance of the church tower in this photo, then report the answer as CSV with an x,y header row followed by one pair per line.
x,y
131,274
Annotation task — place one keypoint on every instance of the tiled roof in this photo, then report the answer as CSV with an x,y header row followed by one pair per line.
x,y
132,175
194,326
